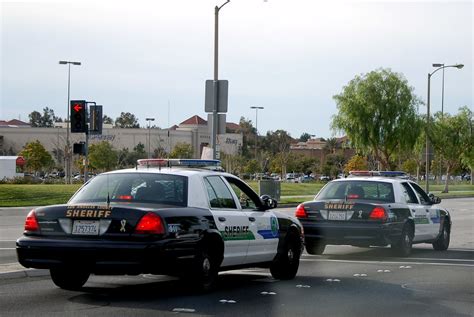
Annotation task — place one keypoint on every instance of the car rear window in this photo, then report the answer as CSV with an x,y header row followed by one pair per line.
x,y
356,189
135,188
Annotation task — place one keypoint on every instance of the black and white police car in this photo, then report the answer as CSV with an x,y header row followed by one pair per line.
x,y
365,210
172,217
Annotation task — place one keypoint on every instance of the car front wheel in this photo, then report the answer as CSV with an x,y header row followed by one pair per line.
x,y
286,262
70,279
442,243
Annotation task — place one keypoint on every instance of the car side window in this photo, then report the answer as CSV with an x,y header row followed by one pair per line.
x,y
409,194
247,197
424,199
218,193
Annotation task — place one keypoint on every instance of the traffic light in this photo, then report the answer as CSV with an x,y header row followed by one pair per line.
x,y
78,116
79,148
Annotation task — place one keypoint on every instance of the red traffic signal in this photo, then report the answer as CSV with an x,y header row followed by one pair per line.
x,y
78,116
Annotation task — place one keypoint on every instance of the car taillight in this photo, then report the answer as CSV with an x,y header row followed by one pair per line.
x,y
378,213
31,224
300,212
150,223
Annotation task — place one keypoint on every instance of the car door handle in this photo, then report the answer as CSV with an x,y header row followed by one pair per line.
x,y
221,219
252,219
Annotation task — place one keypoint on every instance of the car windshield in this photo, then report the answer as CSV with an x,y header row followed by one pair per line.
x,y
356,189
135,188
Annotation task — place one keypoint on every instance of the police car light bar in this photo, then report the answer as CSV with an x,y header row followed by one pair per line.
x,y
178,162
399,174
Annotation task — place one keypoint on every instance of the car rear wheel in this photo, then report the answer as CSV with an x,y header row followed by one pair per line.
x,y
70,279
442,243
205,271
286,262
403,246
315,247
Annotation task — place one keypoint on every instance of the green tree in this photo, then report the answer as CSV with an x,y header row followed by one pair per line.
x,y
36,156
305,137
449,136
467,157
251,167
278,144
331,145
45,120
182,150
126,120
107,120
378,112
102,156
248,136
35,119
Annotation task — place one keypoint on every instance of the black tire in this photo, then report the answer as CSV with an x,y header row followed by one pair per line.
x,y
70,279
442,243
403,246
315,247
286,262
205,271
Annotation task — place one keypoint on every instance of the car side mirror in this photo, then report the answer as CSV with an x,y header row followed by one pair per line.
x,y
268,201
434,199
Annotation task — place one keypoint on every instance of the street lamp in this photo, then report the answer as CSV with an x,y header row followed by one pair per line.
x,y
256,127
427,157
149,135
68,144
215,82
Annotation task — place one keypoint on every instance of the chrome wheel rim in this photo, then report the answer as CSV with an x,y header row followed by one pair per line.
x,y
206,265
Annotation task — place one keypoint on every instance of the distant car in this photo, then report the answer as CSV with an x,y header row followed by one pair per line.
x,y
173,217
324,178
374,211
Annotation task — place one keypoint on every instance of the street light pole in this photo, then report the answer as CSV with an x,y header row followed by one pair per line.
x,y
67,155
427,156
149,135
215,82
256,127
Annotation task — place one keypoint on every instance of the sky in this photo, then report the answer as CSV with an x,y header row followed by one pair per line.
x,y
152,58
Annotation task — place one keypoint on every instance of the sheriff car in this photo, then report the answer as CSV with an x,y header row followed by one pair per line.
x,y
365,210
173,217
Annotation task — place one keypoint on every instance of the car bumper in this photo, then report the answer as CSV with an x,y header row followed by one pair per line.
x,y
105,257
362,234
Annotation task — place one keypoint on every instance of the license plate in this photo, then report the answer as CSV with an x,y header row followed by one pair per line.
x,y
85,227
337,215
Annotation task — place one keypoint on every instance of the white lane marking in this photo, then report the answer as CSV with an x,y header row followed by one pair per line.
x,y
388,262
267,293
360,275
383,271
7,248
227,301
405,267
184,310
302,286
333,280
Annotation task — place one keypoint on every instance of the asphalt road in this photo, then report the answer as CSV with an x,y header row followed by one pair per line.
x,y
345,281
